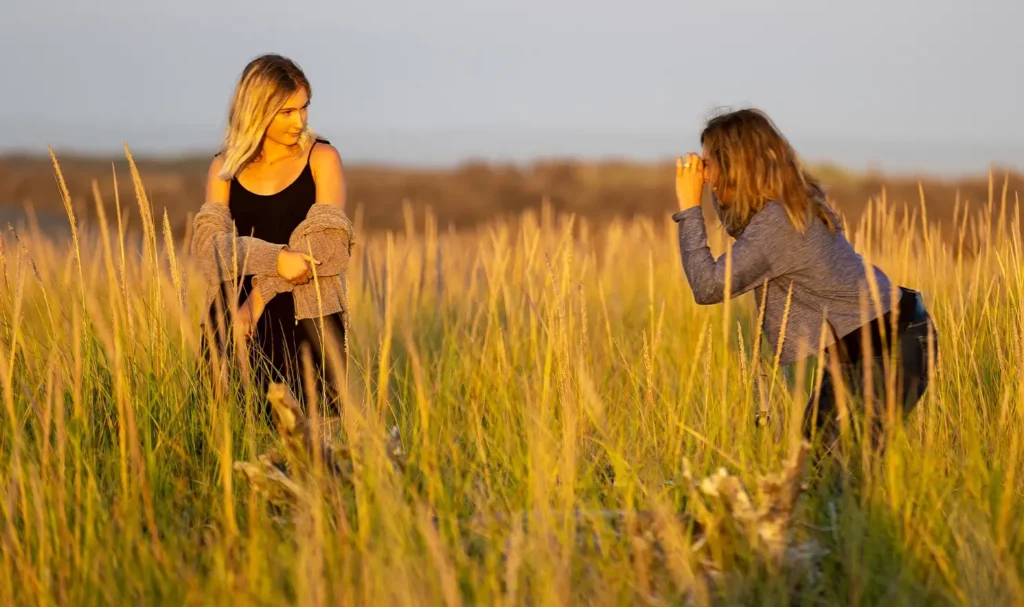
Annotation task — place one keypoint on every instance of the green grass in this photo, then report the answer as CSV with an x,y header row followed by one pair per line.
x,y
522,362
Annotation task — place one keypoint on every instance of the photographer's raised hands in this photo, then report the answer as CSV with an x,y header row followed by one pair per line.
x,y
689,181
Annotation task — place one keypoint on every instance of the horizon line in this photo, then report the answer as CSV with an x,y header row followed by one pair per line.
x,y
442,146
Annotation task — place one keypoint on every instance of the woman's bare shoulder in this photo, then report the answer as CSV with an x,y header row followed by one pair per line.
x,y
217,189
325,155
328,174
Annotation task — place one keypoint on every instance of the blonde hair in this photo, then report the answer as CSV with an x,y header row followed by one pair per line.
x,y
265,85
756,164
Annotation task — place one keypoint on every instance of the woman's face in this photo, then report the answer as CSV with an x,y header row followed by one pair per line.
x,y
290,121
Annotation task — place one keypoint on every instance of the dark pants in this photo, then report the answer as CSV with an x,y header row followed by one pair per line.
x,y
916,349
276,351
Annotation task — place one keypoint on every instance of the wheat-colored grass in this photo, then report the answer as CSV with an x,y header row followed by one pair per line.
x,y
542,366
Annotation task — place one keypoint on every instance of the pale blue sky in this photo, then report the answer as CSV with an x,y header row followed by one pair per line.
x,y
904,84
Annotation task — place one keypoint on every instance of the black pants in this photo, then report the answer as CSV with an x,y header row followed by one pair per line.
x,y
915,350
276,351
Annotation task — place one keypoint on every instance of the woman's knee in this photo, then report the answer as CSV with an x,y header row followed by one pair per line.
x,y
918,351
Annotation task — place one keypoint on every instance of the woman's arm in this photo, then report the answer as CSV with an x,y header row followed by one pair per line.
x,y
707,276
328,174
215,242
326,233
326,236
217,189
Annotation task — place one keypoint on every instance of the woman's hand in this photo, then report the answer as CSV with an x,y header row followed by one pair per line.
x,y
294,266
249,314
689,181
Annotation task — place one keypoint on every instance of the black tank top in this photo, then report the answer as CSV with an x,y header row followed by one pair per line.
x,y
273,218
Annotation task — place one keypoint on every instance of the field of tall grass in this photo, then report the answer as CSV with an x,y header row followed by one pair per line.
x,y
558,398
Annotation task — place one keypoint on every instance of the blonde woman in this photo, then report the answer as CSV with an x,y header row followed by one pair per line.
x,y
789,242
274,224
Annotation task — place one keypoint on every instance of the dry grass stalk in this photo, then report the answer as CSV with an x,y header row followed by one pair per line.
x,y
280,475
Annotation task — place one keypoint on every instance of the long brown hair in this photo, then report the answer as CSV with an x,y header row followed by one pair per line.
x,y
756,165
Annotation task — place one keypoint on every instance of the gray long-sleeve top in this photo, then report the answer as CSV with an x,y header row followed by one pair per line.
x,y
828,277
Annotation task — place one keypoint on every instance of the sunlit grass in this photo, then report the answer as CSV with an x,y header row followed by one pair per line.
x,y
540,366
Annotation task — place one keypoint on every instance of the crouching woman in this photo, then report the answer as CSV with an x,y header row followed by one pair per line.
x,y
272,238
789,243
